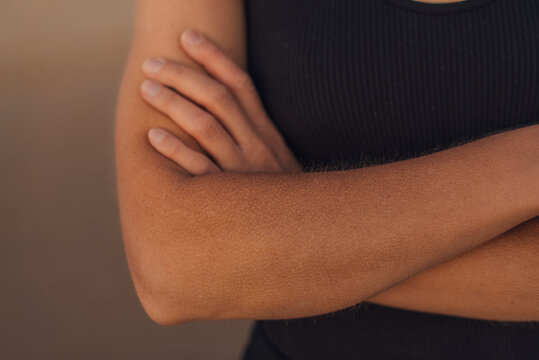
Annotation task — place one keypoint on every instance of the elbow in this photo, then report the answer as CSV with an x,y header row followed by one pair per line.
x,y
166,299
175,288
156,303
173,281
167,257
162,314
159,313
154,245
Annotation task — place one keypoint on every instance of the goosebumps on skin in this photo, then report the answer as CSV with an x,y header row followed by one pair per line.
x,y
448,288
498,280
260,245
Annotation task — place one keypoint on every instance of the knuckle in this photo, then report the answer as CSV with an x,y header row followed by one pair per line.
x,y
204,167
262,153
175,70
212,52
166,98
221,96
206,125
174,150
244,82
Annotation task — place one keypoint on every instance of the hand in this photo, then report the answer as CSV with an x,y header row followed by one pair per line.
x,y
223,112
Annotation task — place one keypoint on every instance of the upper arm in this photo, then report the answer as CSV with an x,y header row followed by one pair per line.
x,y
146,181
158,27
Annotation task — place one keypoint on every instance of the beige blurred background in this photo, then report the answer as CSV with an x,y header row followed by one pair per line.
x,y
65,290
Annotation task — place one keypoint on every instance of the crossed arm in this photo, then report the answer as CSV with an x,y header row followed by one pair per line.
x,y
233,245
498,280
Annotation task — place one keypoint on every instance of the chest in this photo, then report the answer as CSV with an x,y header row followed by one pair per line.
x,y
347,79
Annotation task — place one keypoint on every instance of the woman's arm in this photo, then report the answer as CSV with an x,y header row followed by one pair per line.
x,y
498,280
452,289
282,245
158,26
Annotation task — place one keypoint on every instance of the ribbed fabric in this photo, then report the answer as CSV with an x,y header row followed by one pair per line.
x,y
382,80
374,332
352,83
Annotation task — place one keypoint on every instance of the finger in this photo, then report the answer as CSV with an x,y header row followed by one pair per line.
x,y
173,148
198,123
205,91
224,69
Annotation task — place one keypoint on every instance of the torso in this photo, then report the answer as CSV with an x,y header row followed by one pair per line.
x,y
350,83
439,1
377,80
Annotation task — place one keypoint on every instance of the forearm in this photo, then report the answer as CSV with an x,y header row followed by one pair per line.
x,y
498,280
290,245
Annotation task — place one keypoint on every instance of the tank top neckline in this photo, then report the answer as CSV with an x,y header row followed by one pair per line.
x,y
444,8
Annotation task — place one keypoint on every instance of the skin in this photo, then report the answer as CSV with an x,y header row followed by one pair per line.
x,y
159,200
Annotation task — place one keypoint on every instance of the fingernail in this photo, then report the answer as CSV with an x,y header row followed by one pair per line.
x,y
153,65
156,135
151,88
192,37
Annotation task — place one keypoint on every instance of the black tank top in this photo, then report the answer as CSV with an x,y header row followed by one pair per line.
x,y
351,83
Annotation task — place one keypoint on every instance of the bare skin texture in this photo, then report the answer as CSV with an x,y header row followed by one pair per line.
x,y
250,245
227,156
